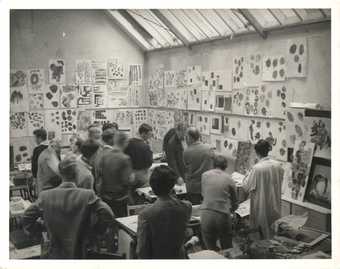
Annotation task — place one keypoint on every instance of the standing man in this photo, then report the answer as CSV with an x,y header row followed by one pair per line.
x,y
161,227
48,175
141,155
40,137
173,149
264,187
67,212
198,158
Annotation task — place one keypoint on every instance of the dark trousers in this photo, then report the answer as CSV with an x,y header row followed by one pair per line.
x,y
216,226
195,198
119,207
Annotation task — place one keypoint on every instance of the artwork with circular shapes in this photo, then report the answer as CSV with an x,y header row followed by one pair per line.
x,y
297,57
274,68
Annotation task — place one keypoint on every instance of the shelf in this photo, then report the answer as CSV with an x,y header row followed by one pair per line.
x,y
308,205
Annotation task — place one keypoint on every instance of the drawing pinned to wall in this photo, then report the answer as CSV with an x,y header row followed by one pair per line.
x,y
255,101
224,146
156,80
123,118
297,57
36,80
274,68
245,157
68,97
194,74
169,79
181,79
236,128
99,96
216,124
255,130
205,139
297,127
161,121
18,78
136,74
280,98
84,95
102,116
302,160
22,149
84,72
208,100
194,98
36,101
136,96
238,72
216,80
84,120
68,121
254,69
56,70
275,133
115,69
36,120
139,116
152,97
52,96
238,101
192,119
19,99
203,123
18,124
99,72
53,123
223,102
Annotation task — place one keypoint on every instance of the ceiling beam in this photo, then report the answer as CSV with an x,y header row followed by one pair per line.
x,y
323,13
297,14
171,27
252,20
275,17
124,30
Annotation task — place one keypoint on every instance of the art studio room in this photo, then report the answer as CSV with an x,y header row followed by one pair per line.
x,y
170,133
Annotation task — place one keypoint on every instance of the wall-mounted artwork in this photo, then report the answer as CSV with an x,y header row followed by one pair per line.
x,y
253,69
256,101
84,72
117,99
99,96
84,95
181,79
56,71
274,68
18,124
245,157
236,128
216,80
136,74
161,121
115,69
68,121
223,102
297,57
170,79
53,123
216,124
22,149
238,72
19,99
36,101
156,80
84,120
36,120
139,116
18,78
194,98
208,100
123,118
255,130
225,146
102,116
68,97
194,74
136,96
99,72
203,123
319,184
302,160
280,99
297,127
36,80
52,96
192,119
238,101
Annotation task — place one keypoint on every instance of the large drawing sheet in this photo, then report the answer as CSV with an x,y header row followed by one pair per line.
x,y
99,96
68,121
115,69
245,157
53,123
36,101
203,123
68,97
216,124
19,99
136,74
36,120
18,78
253,69
224,146
194,97
139,116
36,80
56,71
194,74
84,72
208,100
302,161
274,68
161,121
136,96
287,174
84,95
255,130
123,118
99,72
22,149
256,101
52,96
297,126
236,127
274,131
181,79
239,69
238,101
223,80
102,116
170,79
18,124
297,57
280,98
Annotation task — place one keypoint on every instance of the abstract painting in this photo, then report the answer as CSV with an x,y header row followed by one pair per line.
x,y
203,123
255,130
53,123
161,121
236,128
18,78
156,80
208,100
274,68
215,80
181,79
68,121
123,118
194,74
84,72
224,146
170,79
22,149
68,97
280,98
238,72
84,120
84,95
36,101
216,124
19,99
245,157
36,120
194,98
297,57
136,97
115,69
18,124
52,96
102,116
139,116
117,99
56,70
256,102
99,96
223,102
36,80
253,69
136,74
99,72
297,126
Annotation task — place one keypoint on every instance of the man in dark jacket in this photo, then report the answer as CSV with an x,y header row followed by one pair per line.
x,y
161,227
40,137
67,212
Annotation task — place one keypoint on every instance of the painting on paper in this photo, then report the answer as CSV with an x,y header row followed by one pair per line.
x,y
18,124
36,120
223,102
115,69
84,72
56,70
53,123
280,97
123,118
36,80
102,116
194,98
225,146
274,132
22,149
19,99
254,69
117,99
297,127
238,102
136,74
203,123
169,79
18,78
208,100
274,68
68,97
36,101
236,128
245,157
255,130
256,101
52,96
84,120
238,72
136,96
84,95
99,72
216,124
194,74
68,121
297,57
181,79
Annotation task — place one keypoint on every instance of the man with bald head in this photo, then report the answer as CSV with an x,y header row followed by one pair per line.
x,y
198,158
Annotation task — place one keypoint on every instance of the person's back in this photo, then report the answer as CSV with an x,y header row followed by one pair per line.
x,y
167,219
140,154
84,176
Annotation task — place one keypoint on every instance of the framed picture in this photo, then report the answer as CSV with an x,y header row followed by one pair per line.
x,y
319,184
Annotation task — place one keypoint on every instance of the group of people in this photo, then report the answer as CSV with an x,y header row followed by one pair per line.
x,y
94,183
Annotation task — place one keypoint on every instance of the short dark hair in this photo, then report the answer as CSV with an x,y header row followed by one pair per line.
x,y
79,142
162,180
262,147
40,133
93,125
144,128
194,133
108,137
220,162
88,148
109,125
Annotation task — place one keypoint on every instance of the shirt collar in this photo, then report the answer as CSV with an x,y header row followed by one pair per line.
x,y
67,185
44,143
106,146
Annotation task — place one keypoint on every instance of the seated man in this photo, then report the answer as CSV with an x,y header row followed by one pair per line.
x,y
67,212
161,227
